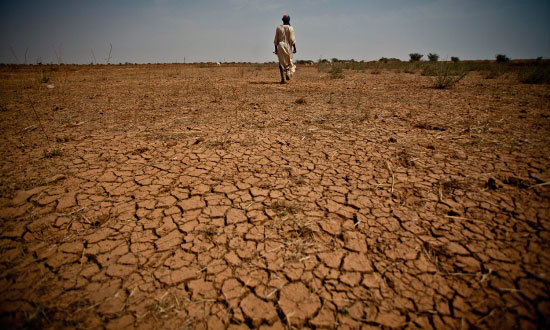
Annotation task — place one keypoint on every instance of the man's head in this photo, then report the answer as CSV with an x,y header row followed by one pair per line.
x,y
286,19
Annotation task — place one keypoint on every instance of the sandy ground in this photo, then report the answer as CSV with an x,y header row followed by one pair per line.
x,y
169,196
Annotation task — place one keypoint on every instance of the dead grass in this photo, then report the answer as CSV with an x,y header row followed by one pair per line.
x,y
51,153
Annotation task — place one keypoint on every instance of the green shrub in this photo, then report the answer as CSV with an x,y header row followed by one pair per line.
x,y
501,58
415,57
432,57
455,59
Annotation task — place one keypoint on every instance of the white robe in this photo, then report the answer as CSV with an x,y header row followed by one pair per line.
x,y
284,39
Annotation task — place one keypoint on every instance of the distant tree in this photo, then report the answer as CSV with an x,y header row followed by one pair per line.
x,y
415,57
432,57
334,60
383,60
501,58
455,59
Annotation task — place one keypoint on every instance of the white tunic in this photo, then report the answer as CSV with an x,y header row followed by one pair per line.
x,y
284,39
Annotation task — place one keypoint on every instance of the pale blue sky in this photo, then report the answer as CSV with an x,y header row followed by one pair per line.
x,y
243,30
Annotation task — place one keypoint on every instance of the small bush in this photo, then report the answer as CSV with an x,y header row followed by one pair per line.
x,y
45,80
415,57
455,59
383,60
447,75
501,58
538,75
336,72
432,57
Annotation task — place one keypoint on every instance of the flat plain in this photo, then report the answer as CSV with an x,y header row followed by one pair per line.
x,y
180,196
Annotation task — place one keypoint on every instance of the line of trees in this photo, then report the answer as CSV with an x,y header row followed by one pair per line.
x,y
433,57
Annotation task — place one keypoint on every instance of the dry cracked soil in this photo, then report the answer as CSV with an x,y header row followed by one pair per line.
x,y
179,196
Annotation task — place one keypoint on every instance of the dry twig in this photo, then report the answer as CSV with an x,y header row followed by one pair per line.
x,y
388,166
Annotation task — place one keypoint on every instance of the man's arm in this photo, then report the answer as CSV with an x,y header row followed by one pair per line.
x,y
294,48
276,41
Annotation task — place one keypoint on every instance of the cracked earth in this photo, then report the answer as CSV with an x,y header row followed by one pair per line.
x,y
171,196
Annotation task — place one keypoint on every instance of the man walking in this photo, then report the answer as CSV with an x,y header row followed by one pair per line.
x,y
285,46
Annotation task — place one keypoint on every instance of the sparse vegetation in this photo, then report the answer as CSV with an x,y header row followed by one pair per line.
x,y
447,75
51,153
283,208
377,69
336,72
411,68
455,59
494,72
430,70
38,318
323,66
537,75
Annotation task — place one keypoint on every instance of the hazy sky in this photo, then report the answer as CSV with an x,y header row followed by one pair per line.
x,y
243,30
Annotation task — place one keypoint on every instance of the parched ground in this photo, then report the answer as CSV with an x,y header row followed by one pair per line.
x,y
169,196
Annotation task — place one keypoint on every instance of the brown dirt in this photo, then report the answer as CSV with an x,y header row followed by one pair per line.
x,y
177,196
